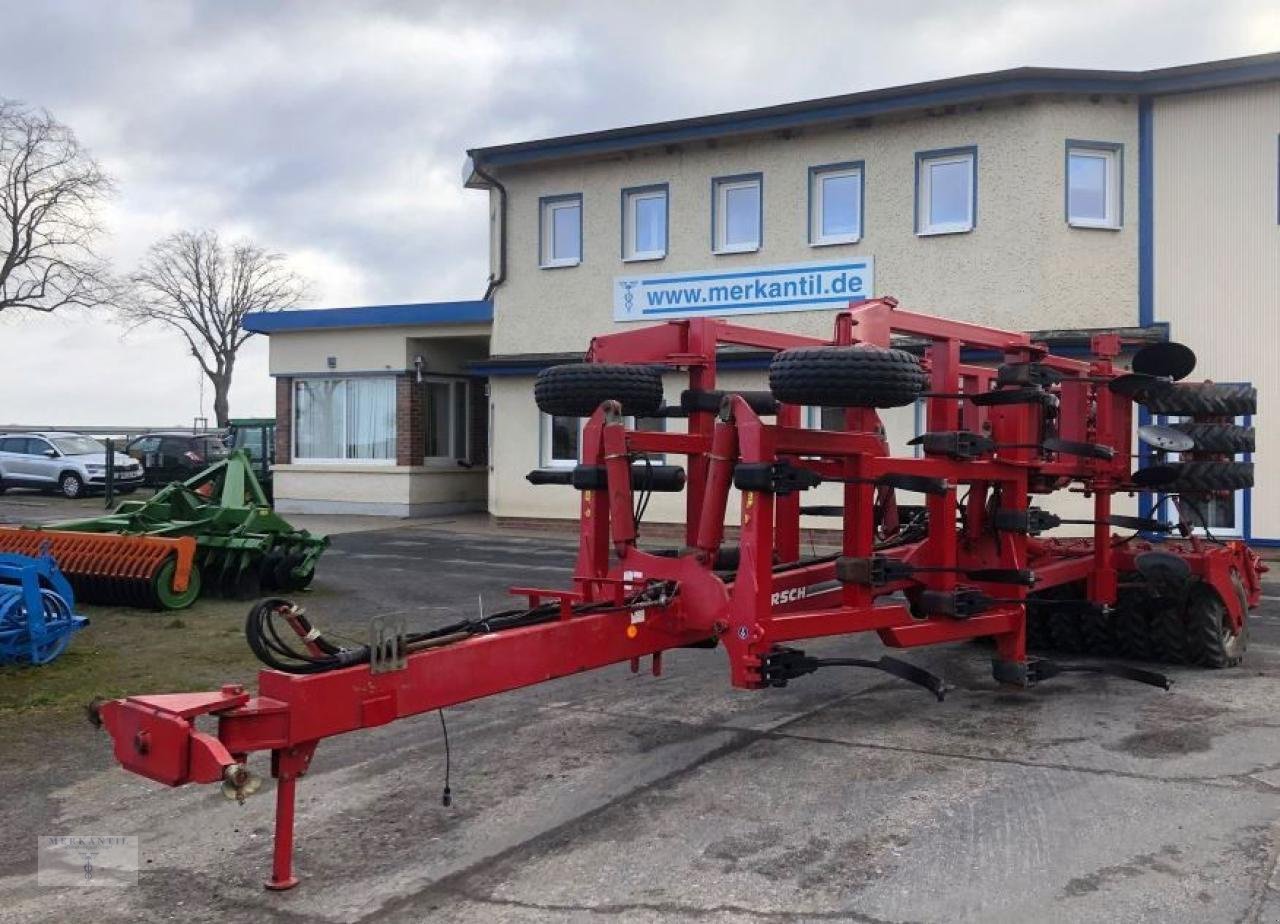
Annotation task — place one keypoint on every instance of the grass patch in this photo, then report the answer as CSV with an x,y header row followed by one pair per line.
x,y
128,651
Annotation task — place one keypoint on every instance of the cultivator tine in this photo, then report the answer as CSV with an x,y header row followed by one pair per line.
x,y
1042,669
912,674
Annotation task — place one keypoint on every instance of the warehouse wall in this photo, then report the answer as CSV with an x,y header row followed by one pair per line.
x,y
1022,267
1216,270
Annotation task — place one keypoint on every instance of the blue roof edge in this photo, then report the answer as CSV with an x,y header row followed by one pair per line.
x,y
423,313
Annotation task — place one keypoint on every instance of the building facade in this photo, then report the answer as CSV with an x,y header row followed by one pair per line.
x,y
1032,199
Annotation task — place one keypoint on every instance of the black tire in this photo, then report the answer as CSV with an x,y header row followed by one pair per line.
x,y
1168,632
1039,637
1099,630
1200,399
577,389
1227,439
1193,477
70,485
1066,629
846,376
1133,628
1209,640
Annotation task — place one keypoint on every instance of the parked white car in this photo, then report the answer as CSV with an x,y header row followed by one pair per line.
x,y
69,463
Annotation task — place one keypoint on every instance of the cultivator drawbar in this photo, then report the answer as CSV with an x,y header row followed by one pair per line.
x,y
215,533
970,559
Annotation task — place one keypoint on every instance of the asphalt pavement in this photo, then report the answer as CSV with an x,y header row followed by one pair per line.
x,y
846,796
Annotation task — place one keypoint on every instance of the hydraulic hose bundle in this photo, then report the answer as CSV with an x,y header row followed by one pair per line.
x,y
271,646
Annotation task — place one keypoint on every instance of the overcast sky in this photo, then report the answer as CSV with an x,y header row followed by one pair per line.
x,y
335,131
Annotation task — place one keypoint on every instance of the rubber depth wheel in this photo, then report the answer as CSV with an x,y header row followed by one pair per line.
x,y
846,376
1168,632
1192,477
1210,641
577,389
162,587
1227,439
1200,399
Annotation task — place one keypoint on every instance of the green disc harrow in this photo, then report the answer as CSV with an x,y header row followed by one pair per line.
x,y
242,546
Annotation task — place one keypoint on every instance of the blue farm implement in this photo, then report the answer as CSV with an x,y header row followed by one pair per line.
x,y
37,610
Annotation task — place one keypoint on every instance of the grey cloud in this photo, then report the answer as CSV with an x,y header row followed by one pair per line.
x,y
323,128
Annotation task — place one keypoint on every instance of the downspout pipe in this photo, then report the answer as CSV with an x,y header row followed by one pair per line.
x,y
499,277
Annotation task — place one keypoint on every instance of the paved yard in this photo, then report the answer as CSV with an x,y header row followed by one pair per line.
x,y
847,796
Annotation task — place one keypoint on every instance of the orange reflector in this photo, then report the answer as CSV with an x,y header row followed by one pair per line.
x,y
632,631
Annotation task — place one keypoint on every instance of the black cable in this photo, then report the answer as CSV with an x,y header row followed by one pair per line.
x,y
446,798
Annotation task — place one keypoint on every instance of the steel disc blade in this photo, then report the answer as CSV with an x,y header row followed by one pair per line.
x,y
1165,438
1133,384
1170,359
1155,476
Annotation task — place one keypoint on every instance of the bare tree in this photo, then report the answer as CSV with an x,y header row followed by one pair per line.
x,y
196,285
49,228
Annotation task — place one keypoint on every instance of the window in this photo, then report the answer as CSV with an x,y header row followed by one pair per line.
x,y
644,223
560,234
1094,184
345,420
736,213
561,437
946,190
448,403
835,204
824,418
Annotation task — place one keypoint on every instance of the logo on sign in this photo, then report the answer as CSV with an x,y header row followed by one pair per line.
x,y
796,287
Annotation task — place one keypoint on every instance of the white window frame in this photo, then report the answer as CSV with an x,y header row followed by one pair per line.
x,y
454,384
1113,155
547,207
924,161
546,460
632,196
545,444
293,425
720,189
817,202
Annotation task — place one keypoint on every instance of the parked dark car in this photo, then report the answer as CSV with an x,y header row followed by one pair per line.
x,y
175,456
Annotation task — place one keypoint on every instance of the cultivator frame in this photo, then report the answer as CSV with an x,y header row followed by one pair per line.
x,y
1037,423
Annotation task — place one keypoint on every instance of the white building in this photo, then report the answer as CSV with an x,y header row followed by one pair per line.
x,y
1031,199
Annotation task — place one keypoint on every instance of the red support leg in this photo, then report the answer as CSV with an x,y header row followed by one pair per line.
x,y
282,877
286,765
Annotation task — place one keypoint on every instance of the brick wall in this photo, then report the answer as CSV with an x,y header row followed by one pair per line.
x,y
284,420
411,421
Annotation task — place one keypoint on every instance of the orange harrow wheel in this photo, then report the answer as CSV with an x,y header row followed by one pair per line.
x,y
144,571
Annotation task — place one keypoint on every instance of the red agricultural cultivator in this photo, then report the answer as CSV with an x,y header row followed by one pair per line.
x,y
971,561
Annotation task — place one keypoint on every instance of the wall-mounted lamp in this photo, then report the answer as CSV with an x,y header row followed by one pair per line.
x,y
418,363
331,362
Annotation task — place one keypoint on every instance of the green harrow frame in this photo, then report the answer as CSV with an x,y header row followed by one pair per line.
x,y
242,545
